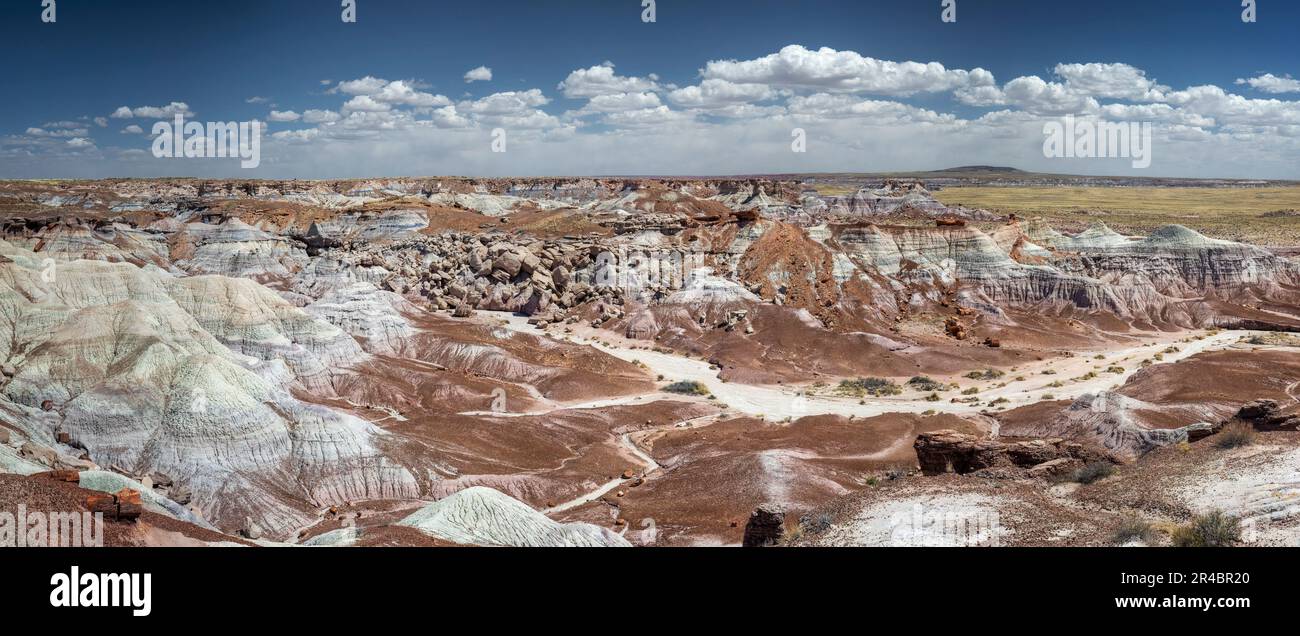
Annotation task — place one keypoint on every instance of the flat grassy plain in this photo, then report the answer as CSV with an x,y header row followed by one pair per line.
x,y
1263,216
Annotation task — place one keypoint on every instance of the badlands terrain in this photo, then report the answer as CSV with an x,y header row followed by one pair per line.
x,y
630,362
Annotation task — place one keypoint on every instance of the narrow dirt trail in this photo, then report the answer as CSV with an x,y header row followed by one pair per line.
x,y
628,444
650,466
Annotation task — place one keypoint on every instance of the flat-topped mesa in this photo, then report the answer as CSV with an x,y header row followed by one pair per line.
x,y
895,198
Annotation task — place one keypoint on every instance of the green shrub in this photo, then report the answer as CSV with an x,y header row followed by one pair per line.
x,y
868,386
923,383
1214,529
687,387
987,374
1092,471
1133,527
1235,435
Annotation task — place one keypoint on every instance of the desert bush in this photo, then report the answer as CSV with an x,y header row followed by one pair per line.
x,y
868,386
1092,471
1214,529
687,387
923,383
817,523
987,374
1133,527
1235,435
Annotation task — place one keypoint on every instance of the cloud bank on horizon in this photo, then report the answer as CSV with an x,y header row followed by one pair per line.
x,y
735,116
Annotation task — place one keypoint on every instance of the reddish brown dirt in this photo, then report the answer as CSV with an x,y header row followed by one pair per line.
x,y
1225,378
784,349
714,476
541,460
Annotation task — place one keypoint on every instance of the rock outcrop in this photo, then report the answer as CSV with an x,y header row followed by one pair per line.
x,y
766,526
949,451
1267,415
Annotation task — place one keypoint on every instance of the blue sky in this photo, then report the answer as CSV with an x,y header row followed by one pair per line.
x,y
214,57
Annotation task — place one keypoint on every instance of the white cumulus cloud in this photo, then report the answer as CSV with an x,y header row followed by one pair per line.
x,y
1270,83
480,74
